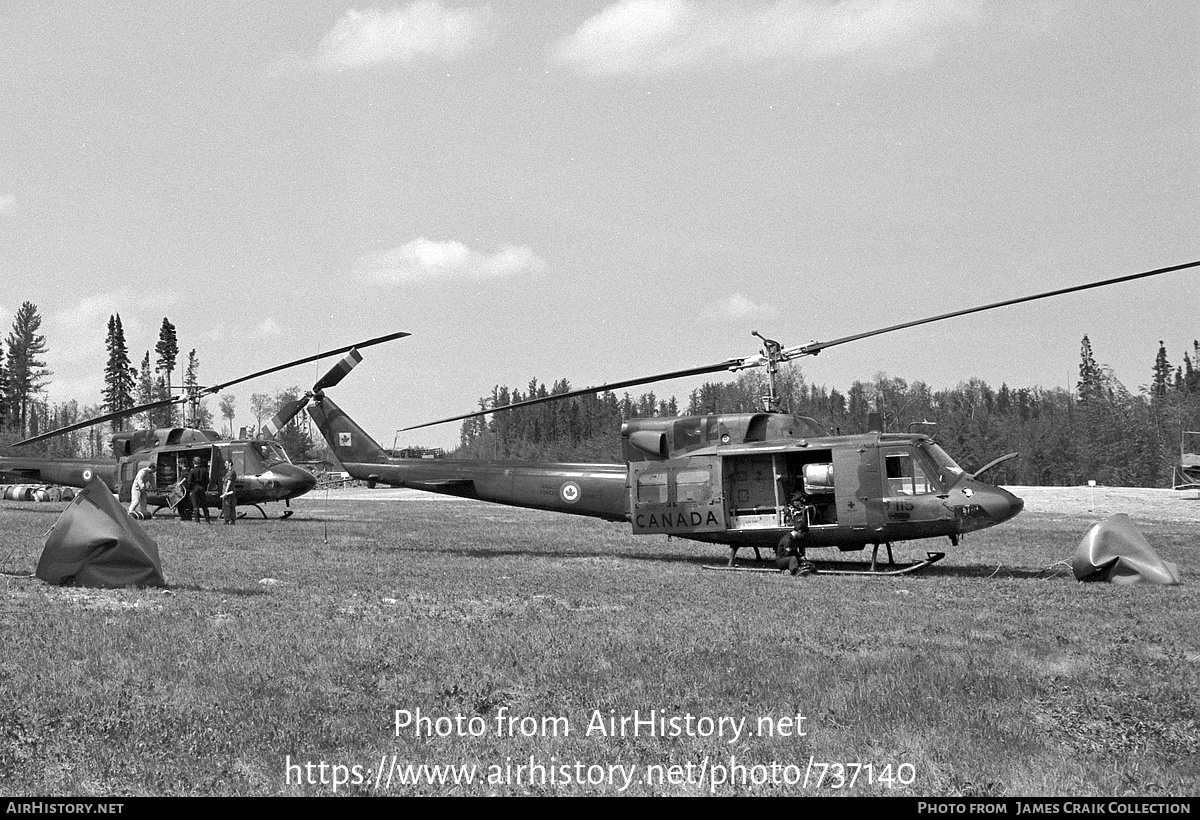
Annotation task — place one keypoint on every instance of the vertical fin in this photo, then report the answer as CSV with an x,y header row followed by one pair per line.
x,y
349,442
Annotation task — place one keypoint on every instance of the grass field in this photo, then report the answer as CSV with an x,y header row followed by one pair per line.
x,y
283,651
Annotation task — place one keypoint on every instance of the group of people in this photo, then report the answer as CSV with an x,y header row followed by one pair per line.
x,y
191,492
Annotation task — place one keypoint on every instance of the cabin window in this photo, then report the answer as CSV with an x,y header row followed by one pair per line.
x,y
693,486
652,488
905,476
696,432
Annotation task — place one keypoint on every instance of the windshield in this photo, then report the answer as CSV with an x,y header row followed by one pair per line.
x,y
948,471
271,453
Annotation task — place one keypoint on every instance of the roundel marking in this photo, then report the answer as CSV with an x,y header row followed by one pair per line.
x,y
570,492
87,474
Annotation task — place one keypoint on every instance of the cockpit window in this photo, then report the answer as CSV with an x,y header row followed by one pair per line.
x,y
948,472
272,453
255,457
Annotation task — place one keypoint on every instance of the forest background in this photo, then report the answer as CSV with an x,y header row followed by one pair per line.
x,y
1100,430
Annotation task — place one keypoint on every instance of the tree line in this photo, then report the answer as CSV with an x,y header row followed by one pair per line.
x,y
25,412
1098,431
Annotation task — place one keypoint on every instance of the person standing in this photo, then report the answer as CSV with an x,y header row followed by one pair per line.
x,y
229,493
143,482
197,486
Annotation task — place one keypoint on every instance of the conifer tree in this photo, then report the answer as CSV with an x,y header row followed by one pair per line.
x,y
27,373
118,375
145,389
1091,382
202,417
3,392
1162,374
168,356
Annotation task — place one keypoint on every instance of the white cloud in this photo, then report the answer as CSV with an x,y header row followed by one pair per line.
x,y
423,259
401,35
739,307
79,330
76,333
643,37
7,203
267,328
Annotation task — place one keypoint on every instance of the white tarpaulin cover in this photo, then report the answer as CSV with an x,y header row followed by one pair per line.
x,y
1115,550
95,543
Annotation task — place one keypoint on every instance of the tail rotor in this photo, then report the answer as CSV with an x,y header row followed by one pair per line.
x,y
331,378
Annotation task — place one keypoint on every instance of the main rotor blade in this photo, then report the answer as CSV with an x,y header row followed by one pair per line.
x,y
217,388
728,364
813,348
118,414
810,349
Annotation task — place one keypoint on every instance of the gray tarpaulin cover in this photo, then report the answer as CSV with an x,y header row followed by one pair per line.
x,y
1115,550
96,544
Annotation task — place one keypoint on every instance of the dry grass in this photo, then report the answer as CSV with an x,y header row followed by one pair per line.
x,y
993,674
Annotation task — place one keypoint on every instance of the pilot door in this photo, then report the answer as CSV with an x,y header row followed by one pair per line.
x,y
678,497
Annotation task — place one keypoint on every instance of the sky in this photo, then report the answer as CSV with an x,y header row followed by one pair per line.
x,y
597,191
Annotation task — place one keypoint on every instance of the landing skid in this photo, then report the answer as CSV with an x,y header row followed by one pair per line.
x,y
933,558
286,513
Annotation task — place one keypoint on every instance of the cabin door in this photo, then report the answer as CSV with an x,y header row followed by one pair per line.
x,y
677,497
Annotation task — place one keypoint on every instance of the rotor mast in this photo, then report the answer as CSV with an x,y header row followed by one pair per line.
x,y
772,350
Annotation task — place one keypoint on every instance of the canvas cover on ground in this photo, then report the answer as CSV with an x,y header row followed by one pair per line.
x,y
1114,550
95,543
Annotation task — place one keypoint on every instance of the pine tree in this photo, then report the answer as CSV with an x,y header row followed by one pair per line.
x,y
118,374
1091,383
1162,374
201,415
3,392
168,356
27,373
163,416
145,389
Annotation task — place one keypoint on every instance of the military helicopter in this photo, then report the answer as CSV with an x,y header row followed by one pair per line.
x,y
1187,474
728,479
264,471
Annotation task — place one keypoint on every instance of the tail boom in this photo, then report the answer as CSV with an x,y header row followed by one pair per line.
x,y
597,490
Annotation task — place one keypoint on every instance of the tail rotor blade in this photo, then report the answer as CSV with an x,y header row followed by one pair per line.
x,y
339,371
283,417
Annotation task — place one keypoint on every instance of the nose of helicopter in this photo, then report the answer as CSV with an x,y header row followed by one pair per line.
x,y
1002,504
293,480
981,505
